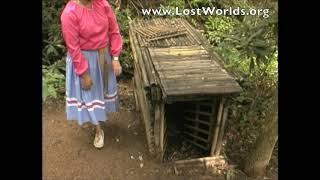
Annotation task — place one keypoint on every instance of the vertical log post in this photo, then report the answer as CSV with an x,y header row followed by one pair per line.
x,y
221,131
217,126
159,129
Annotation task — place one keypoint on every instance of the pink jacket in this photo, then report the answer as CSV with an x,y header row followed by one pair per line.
x,y
89,28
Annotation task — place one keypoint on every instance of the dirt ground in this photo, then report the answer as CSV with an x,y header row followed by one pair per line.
x,y
68,151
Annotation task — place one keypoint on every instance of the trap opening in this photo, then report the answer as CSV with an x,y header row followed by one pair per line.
x,y
189,129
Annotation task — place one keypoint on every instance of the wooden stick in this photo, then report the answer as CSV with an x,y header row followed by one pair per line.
x,y
137,55
162,128
145,110
156,128
196,120
217,126
221,132
199,160
197,144
196,137
196,129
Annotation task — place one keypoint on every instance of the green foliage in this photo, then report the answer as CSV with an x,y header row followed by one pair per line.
x,y
53,51
125,57
53,47
53,80
217,28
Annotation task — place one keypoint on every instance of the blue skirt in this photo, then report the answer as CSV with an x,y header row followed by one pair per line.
x,y
93,105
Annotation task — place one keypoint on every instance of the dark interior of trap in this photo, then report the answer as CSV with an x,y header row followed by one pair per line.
x,y
188,129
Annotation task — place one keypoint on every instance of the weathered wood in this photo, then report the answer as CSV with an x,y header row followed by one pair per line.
x,y
200,160
200,112
136,99
159,128
197,84
198,87
180,67
194,78
145,110
162,129
179,58
157,116
196,129
148,66
137,55
197,144
196,120
204,42
180,53
221,131
201,91
182,77
217,127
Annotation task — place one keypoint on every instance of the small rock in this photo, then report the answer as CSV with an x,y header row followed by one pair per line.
x,y
131,157
141,165
129,126
117,140
140,158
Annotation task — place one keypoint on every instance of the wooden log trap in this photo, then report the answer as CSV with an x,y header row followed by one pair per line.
x,y
181,90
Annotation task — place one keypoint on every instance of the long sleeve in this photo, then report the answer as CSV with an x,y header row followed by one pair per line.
x,y
70,32
115,38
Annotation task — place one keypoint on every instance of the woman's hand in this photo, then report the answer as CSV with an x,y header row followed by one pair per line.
x,y
86,81
116,67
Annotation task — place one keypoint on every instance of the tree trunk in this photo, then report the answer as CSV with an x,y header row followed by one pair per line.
x,y
259,158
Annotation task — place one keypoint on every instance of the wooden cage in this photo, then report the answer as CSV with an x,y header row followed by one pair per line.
x,y
173,64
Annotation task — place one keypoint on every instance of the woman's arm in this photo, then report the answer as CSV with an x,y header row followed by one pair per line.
x,y
70,32
115,38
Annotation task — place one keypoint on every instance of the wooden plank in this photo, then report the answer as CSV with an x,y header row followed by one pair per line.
x,y
156,127
178,77
191,72
196,137
199,86
217,127
221,131
179,62
177,50
197,144
136,99
181,48
200,160
196,78
195,84
200,112
137,55
162,128
182,67
148,66
145,110
170,58
203,91
196,120
176,55
203,42
197,129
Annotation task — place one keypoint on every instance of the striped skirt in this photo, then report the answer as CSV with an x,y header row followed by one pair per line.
x,y
93,105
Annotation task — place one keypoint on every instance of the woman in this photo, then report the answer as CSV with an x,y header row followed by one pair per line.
x,y
93,42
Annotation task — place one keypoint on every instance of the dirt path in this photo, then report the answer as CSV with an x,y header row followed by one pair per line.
x,y
68,152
